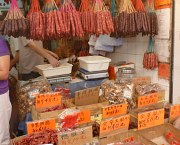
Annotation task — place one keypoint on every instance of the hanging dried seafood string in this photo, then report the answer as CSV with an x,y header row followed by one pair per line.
x,y
49,5
54,26
37,21
14,24
87,17
113,9
150,60
152,18
126,19
71,20
142,19
102,17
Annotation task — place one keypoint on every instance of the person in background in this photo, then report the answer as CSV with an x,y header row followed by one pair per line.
x,y
31,53
5,105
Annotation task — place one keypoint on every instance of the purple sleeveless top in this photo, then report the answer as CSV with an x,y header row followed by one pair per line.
x,y
3,51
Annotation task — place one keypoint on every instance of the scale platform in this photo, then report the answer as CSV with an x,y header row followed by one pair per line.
x,y
86,75
59,79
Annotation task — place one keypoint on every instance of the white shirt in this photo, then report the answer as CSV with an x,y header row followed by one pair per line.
x,y
28,59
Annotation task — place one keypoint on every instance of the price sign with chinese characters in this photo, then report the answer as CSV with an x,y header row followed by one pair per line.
x,y
48,100
141,80
114,110
87,96
76,137
150,119
84,116
38,126
174,112
114,124
147,100
162,4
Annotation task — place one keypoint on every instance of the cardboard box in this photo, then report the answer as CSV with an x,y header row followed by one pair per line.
x,y
114,125
95,108
141,80
134,113
76,137
123,137
37,115
159,132
160,97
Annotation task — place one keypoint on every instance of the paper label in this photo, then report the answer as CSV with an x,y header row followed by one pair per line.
x,y
174,112
33,93
87,96
48,100
114,124
114,110
163,71
161,4
147,100
84,116
150,119
37,126
76,137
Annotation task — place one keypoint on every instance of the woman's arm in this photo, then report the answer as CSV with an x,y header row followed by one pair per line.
x,y
42,52
14,60
4,67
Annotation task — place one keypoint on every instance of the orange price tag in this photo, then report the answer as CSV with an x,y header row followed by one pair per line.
x,y
38,126
162,4
48,100
174,112
84,116
114,124
150,119
114,110
147,100
163,70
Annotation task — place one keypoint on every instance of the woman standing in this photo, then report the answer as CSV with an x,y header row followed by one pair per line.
x,y
5,105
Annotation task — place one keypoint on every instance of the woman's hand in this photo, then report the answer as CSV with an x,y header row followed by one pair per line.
x,y
53,61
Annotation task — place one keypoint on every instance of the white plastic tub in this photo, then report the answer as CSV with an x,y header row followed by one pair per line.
x,y
94,63
47,70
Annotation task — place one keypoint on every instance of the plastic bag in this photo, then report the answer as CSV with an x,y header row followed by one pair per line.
x,y
26,92
118,93
148,88
68,119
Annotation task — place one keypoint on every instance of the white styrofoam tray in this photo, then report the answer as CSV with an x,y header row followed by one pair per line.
x,y
47,70
94,63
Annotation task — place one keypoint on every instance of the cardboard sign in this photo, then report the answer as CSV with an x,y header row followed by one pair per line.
x,y
84,117
141,80
87,96
38,126
76,137
150,119
147,100
114,110
174,112
163,70
162,4
114,124
48,100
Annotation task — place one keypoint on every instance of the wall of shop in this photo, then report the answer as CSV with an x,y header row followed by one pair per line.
x,y
176,72
132,51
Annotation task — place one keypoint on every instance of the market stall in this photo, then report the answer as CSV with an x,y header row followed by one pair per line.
x,y
111,84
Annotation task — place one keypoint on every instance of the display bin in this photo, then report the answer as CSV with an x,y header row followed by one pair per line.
x,y
124,137
157,134
95,108
48,71
37,115
94,63
134,113
160,96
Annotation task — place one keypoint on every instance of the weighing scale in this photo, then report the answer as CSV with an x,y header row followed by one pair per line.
x,y
86,75
59,79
